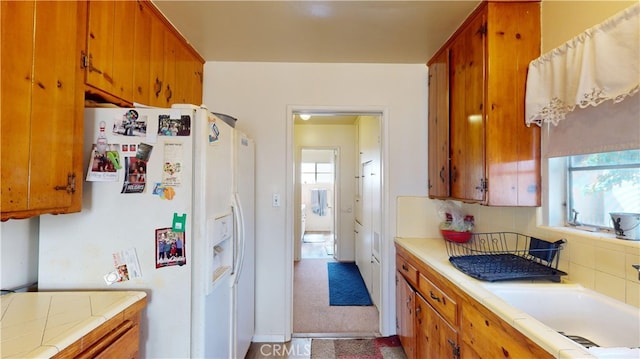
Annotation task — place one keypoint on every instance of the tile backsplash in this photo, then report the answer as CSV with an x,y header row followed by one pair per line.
x,y
598,261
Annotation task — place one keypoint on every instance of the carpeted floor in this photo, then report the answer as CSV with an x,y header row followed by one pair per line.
x,y
376,348
312,312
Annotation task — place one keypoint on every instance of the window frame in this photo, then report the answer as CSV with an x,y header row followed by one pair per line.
x,y
569,169
316,172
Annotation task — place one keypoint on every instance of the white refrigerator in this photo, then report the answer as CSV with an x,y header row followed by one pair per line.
x,y
168,208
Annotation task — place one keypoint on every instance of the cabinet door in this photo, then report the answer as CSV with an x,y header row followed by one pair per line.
x,y
110,48
435,337
405,301
439,126
17,52
142,54
156,61
123,51
467,112
125,347
170,60
197,69
485,335
41,107
513,149
100,45
185,79
365,250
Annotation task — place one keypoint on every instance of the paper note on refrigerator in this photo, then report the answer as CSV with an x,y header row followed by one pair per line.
x,y
172,167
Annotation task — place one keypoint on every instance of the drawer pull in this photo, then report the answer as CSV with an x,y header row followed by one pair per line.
x,y
404,268
434,297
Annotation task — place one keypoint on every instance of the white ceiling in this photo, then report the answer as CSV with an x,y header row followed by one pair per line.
x,y
339,31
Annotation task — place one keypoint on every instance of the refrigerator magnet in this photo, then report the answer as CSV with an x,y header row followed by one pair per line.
x,y
168,126
164,192
214,132
135,175
111,277
144,152
130,124
179,222
101,166
172,168
170,248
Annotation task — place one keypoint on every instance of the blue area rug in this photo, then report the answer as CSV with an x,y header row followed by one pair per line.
x,y
346,286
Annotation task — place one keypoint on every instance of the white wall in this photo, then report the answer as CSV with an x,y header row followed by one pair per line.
x,y
558,26
19,253
259,95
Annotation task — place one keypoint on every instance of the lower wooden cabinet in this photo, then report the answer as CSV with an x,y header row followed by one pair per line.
x,y
405,307
118,337
435,337
485,335
437,319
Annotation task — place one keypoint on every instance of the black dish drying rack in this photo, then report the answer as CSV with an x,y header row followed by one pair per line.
x,y
503,256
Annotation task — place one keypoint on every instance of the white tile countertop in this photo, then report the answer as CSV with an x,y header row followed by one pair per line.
x,y
41,324
433,252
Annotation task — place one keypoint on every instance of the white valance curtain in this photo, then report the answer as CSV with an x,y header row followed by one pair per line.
x,y
577,89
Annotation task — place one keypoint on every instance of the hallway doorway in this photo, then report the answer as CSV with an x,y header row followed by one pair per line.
x,y
318,199
326,201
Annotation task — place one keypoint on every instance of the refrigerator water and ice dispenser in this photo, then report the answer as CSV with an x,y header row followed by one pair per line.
x,y
220,237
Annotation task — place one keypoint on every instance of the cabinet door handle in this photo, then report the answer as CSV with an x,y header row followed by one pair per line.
x,y
434,297
455,349
71,184
454,174
170,93
442,174
157,87
107,77
91,67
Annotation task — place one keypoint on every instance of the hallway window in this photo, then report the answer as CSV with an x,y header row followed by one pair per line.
x,y
316,172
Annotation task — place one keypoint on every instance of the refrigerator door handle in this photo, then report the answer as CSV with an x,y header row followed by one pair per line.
x,y
240,240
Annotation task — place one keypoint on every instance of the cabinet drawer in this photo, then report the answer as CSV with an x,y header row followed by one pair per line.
x,y
408,271
441,302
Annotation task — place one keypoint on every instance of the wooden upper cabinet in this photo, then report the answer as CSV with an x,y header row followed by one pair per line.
x,y
197,69
513,149
141,54
135,55
467,111
156,62
42,103
439,126
188,77
494,157
110,48
171,49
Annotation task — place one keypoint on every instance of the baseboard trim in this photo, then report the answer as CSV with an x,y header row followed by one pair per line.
x,y
355,335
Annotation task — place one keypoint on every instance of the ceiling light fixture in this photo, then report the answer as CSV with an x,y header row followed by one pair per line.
x,y
305,116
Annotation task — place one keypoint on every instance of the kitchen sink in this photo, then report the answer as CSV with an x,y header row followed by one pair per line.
x,y
576,312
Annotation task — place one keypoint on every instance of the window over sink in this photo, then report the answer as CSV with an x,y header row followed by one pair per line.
x,y
600,183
